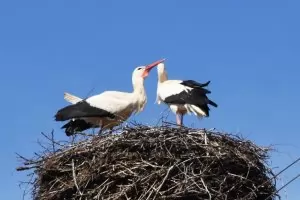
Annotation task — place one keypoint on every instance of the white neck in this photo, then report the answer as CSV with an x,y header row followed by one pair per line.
x,y
139,93
162,76
138,86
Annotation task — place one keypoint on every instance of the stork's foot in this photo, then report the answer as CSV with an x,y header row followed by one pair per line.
x,y
100,131
105,132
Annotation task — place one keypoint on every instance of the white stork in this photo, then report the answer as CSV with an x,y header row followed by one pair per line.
x,y
107,109
183,96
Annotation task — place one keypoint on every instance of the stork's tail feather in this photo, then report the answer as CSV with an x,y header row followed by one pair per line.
x,y
65,113
212,103
71,98
75,126
205,84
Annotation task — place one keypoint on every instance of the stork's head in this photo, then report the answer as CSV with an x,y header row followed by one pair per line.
x,y
161,68
162,73
142,72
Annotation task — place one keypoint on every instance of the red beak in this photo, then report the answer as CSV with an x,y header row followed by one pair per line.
x,y
149,67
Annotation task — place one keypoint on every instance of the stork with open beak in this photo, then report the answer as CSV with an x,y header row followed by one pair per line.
x,y
183,96
107,109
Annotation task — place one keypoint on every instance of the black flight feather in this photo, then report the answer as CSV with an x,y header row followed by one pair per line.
x,y
77,125
81,109
194,84
197,85
212,103
196,96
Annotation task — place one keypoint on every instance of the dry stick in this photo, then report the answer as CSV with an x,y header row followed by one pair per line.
x,y
26,168
170,123
205,138
157,190
292,180
28,161
206,188
53,142
149,190
205,142
30,182
161,119
74,177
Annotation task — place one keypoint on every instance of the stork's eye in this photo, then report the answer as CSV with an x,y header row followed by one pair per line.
x,y
139,68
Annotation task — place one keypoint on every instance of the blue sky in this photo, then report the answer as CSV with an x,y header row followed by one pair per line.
x,y
248,49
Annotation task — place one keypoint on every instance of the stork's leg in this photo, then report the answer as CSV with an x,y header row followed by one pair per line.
x,y
101,128
179,119
100,131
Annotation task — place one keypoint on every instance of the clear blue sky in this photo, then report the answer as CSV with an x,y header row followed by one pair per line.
x,y
248,49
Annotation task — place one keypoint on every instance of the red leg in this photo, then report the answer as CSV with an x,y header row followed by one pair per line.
x,y
179,119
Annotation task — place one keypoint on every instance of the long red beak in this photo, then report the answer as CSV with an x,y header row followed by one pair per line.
x,y
150,66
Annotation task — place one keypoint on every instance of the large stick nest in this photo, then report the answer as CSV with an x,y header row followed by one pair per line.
x,y
155,163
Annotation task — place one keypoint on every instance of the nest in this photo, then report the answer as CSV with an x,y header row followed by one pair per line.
x,y
155,163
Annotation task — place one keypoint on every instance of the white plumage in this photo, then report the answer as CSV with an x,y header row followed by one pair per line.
x,y
71,98
182,96
112,101
107,109
122,105
168,88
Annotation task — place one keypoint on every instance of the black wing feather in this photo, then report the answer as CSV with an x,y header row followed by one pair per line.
x,y
196,85
196,96
77,125
81,109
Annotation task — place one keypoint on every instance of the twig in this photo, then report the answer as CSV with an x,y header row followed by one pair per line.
x,y
74,177
206,188
26,168
163,181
